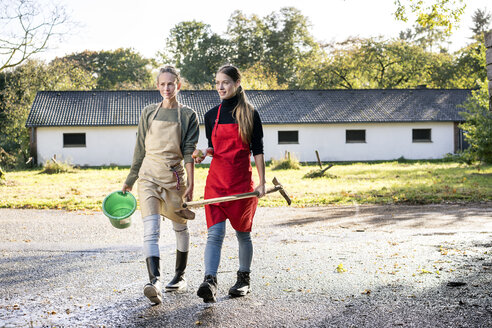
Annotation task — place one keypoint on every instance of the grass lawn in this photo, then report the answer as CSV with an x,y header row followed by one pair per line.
x,y
418,182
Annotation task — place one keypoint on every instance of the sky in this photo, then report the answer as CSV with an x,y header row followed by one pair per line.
x,y
144,25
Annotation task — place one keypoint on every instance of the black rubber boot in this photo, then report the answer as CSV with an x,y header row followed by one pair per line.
x,y
178,284
152,290
242,287
208,289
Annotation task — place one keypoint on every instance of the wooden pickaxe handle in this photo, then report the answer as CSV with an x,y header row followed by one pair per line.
x,y
277,187
227,198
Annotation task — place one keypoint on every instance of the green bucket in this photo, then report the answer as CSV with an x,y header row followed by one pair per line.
x,y
119,207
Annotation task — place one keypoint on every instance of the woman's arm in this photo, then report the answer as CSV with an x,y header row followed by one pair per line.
x,y
260,166
190,181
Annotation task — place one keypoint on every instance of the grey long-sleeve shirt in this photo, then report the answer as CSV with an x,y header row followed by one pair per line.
x,y
189,134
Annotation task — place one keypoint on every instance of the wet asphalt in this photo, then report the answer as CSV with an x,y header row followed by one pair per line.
x,y
351,266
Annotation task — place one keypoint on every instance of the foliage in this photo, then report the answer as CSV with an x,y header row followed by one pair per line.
x,y
121,69
430,39
481,23
469,67
278,52
433,13
246,36
478,125
288,163
196,51
287,42
318,173
277,43
17,94
377,63
7,160
257,77
53,167
27,27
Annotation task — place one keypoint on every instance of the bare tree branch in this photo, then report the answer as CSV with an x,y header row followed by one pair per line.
x,y
26,28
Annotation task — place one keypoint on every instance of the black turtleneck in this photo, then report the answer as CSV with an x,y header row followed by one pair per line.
x,y
226,117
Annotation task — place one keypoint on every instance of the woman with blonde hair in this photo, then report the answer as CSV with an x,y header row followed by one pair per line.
x,y
167,134
234,131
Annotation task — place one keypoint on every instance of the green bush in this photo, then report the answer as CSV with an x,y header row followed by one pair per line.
x,y
287,163
53,167
7,160
478,126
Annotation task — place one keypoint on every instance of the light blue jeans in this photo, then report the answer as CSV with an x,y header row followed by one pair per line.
x,y
152,232
215,238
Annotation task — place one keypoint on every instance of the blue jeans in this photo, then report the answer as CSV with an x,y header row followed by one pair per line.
x,y
215,238
152,233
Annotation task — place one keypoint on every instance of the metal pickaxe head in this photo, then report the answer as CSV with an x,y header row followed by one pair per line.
x,y
281,189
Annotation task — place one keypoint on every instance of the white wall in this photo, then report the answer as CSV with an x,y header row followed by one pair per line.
x,y
384,141
104,145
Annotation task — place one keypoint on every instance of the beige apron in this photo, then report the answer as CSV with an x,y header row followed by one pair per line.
x,y
158,176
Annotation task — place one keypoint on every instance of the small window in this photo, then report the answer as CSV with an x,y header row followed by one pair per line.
x,y
421,135
74,140
354,136
288,137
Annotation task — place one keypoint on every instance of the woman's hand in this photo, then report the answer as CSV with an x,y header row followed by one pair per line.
x,y
261,189
199,155
188,195
126,188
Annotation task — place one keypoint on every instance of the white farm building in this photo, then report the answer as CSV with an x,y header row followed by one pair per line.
x,y
96,128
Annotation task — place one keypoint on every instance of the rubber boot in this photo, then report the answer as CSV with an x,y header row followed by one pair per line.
x,y
178,284
152,290
241,287
208,289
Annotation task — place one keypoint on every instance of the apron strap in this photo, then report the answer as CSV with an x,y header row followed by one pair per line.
x,y
217,120
157,110
153,117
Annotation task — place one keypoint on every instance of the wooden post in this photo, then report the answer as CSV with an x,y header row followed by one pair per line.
x,y
488,45
319,161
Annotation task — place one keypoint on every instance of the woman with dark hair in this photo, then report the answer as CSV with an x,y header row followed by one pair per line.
x,y
167,134
234,131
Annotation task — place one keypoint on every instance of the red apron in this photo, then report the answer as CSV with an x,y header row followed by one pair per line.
x,y
229,174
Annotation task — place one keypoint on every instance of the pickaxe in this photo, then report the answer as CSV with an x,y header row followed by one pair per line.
x,y
277,187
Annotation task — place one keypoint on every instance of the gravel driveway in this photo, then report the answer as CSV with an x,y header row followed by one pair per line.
x,y
352,266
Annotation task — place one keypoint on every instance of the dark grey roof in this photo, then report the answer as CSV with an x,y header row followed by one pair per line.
x,y
100,108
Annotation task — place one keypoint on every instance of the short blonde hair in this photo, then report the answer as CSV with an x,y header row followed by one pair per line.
x,y
169,69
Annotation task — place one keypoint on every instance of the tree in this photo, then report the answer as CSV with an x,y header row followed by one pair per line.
x,y
431,13
117,69
469,66
336,68
376,63
196,51
481,24
18,92
257,77
478,125
279,41
287,43
426,37
26,29
247,39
